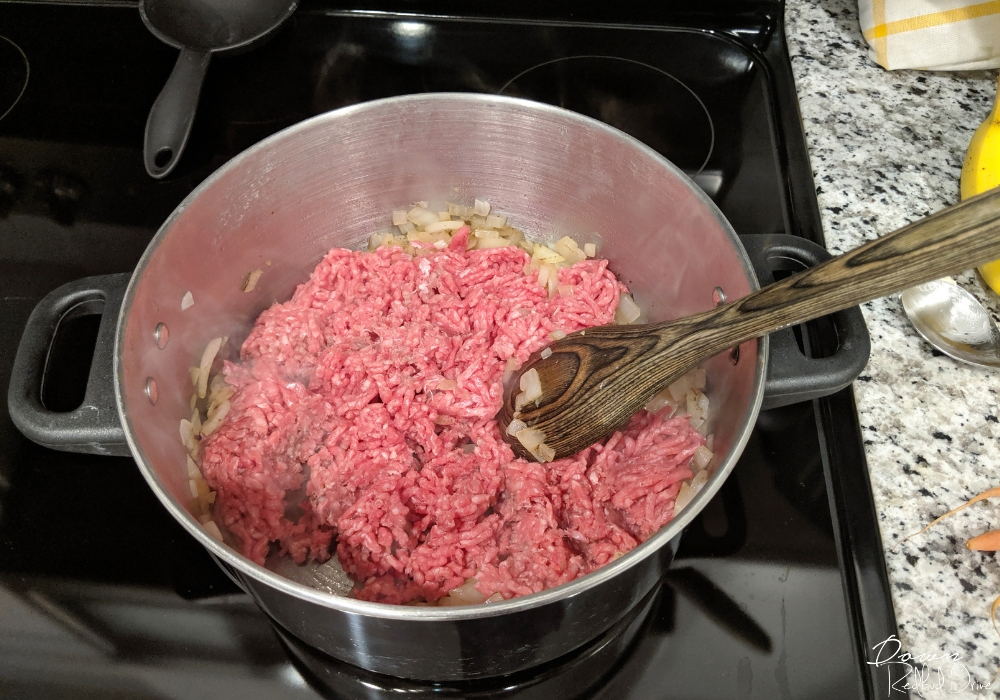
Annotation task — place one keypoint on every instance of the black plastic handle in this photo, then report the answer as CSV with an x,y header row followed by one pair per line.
x,y
170,119
791,375
94,427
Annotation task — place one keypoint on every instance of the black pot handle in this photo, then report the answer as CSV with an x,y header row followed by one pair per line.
x,y
94,427
792,376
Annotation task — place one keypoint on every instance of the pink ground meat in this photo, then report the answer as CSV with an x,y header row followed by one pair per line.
x,y
362,415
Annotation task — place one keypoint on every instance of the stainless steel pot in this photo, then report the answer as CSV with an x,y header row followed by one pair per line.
x,y
331,181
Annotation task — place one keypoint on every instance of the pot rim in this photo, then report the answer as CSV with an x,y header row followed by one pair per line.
x,y
406,612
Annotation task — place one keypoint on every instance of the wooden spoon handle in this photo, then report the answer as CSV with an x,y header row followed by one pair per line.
x,y
950,241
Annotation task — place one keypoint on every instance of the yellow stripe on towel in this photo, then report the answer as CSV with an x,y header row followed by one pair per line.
x,y
879,42
883,29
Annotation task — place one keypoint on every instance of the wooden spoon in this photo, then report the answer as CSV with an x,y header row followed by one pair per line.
x,y
596,379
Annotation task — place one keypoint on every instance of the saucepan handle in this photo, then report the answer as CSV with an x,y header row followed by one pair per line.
x,y
94,427
792,376
171,117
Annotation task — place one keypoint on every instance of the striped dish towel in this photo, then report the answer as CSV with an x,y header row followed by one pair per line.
x,y
932,34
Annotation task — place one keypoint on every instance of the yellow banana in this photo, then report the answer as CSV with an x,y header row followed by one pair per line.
x,y
981,172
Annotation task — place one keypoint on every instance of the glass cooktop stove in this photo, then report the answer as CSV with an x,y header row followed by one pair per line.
x,y
778,588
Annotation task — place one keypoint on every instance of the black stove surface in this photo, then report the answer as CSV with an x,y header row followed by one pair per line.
x,y
778,589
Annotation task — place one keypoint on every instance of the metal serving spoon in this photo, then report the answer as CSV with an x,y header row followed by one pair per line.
x,y
594,380
953,321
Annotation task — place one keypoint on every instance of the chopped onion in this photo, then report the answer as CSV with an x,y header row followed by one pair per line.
x,y
699,479
201,487
546,353
218,391
709,441
553,282
495,598
557,334
379,239
516,426
544,255
702,457
195,372
627,311
440,245
251,280
460,210
684,497
516,236
186,432
496,221
487,243
543,275
405,228
444,226
213,530
530,438
207,358
543,453
509,370
590,249
419,236
568,248
486,233
698,378
481,208
695,379
421,216
466,594
217,419
187,301
399,217
689,490
444,216
661,401
697,408
193,471
531,388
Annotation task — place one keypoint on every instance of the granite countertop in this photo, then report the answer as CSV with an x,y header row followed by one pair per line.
x,y
887,148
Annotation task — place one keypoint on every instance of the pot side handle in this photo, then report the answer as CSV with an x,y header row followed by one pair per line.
x,y
792,376
94,427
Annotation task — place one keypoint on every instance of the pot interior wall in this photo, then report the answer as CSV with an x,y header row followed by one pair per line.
x,y
333,181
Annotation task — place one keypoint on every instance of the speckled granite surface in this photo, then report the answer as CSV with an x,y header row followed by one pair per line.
x,y
887,148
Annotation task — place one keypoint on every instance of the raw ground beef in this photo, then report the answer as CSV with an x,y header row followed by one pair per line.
x,y
362,415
